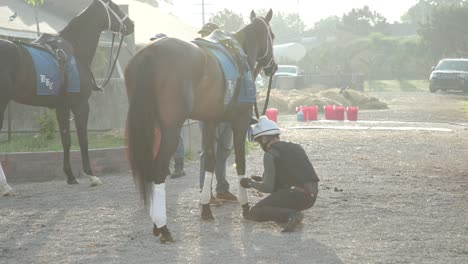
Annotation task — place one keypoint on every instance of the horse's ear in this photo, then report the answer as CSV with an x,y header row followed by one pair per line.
x,y
252,16
269,15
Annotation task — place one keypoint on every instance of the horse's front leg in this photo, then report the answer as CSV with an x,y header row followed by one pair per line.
x,y
81,114
208,138
239,127
63,118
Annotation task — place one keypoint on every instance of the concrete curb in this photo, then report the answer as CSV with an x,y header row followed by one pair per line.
x,y
46,166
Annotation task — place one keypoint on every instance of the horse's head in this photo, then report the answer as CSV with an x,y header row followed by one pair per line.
x,y
115,19
264,37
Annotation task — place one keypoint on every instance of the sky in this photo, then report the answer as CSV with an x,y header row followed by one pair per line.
x,y
310,11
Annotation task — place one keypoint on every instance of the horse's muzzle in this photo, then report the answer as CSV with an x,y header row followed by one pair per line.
x,y
270,71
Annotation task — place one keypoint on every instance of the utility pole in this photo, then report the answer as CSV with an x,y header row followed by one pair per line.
x,y
203,12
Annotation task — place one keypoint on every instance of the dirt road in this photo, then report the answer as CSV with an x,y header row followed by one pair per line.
x,y
404,199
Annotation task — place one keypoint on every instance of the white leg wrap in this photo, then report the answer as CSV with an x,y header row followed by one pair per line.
x,y
5,189
95,181
2,176
241,192
158,205
206,191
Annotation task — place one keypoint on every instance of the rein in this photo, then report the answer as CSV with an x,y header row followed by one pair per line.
x,y
259,68
110,69
270,81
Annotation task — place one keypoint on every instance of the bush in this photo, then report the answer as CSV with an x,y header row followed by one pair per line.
x,y
47,124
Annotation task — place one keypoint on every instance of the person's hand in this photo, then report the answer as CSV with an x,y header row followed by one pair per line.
x,y
256,178
246,182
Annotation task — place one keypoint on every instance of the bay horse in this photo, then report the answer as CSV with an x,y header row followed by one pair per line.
x,y
169,81
18,76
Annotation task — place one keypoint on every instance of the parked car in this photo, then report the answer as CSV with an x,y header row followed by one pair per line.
x,y
288,70
288,77
449,74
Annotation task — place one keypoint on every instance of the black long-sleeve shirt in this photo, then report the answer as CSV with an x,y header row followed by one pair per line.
x,y
269,172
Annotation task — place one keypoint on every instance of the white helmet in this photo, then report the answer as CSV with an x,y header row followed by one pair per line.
x,y
265,127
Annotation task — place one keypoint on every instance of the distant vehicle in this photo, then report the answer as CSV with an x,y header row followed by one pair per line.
x,y
259,82
288,70
449,74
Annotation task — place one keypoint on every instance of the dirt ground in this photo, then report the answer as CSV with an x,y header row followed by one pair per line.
x,y
385,197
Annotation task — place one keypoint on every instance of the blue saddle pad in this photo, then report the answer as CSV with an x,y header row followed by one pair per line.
x,y
231,71
48,77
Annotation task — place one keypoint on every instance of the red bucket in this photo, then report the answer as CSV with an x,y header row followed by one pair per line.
x,y
311,113
352,113
339,112
272,114
329,112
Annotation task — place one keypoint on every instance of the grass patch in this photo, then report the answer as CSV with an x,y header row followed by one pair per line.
x,y
396,85
29,142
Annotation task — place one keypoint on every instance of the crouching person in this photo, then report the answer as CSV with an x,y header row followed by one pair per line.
x,y
288,175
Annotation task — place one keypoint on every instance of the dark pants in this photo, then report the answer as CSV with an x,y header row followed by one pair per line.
x,y
281,204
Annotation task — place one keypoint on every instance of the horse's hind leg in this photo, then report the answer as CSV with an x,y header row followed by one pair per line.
x,y
158,210
81,114
208,137
63,118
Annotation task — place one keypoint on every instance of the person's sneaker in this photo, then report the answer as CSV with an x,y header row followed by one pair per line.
x,y
293,221
226,196
177,174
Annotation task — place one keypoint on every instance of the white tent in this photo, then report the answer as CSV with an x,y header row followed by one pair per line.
x,y
289,52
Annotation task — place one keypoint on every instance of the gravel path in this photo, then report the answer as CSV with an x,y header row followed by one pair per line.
x,y
385,197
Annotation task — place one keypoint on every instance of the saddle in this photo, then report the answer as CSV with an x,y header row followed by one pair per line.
x,y
240,86
59,48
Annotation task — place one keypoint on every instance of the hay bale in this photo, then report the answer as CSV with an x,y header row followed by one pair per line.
x,y
286,101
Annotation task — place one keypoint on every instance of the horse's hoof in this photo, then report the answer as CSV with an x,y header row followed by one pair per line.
x,y
245,210
165,236
156,231
5,190
72,181
206,212
95,181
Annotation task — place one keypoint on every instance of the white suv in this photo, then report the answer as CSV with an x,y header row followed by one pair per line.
x,y
288,70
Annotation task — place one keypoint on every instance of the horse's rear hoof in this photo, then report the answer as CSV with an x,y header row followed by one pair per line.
x,y
165,236
72,181
156,231
206,212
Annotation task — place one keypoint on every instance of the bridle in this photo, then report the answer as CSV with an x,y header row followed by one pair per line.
x,y
121,20
110,11
264,61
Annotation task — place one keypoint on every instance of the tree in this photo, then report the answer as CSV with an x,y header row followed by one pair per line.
x,y
325,28
445,33
228,20
363,21
287,27
423,9
37,4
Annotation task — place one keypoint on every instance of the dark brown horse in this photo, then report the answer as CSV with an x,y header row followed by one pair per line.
x,y
18,76
171,80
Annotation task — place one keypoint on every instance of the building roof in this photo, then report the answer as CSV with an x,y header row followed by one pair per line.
x,y
55,14
24,24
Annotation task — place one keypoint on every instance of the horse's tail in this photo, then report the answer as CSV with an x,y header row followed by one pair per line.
x,y
143,131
